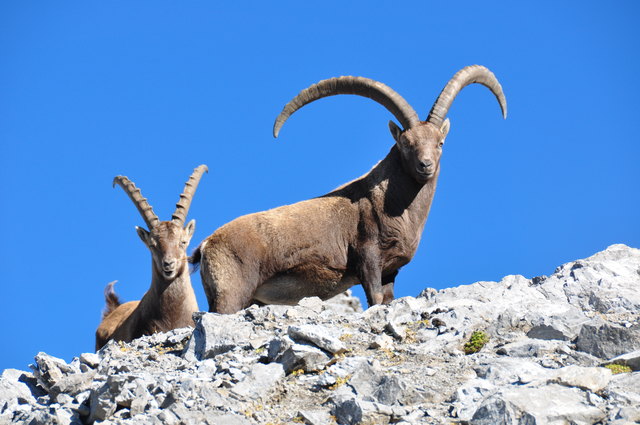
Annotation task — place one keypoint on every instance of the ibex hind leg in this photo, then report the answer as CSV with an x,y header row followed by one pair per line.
x,y
229,287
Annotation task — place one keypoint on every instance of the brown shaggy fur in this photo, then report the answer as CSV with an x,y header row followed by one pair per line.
x,y
362,232
169,303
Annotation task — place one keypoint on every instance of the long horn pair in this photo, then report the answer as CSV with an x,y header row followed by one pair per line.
x,y
391,100
146,211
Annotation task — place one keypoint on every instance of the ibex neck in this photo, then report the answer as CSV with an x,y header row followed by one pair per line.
x,y
169,304
402,194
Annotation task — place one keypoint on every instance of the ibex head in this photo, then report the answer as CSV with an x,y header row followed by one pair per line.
x,y
167,240
419,142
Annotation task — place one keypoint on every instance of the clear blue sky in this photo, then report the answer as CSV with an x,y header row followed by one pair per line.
x,y
151,89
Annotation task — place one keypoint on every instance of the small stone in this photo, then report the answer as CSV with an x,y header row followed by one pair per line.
x,y
259,381
546,332
470,395
312,303
438,323
216,334
315,417
376,317
530,348
398,331
593,379
428,371
317,335
49,369
73,384
383,341
371,384
406,309
629,359
348,412
102,404
344,303
305,357
90,359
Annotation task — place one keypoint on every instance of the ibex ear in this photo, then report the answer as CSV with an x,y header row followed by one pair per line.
x,y
190,228
446,125
395,131
144,235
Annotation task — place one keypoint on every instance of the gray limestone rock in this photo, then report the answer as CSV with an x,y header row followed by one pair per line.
x,y
303,357
593,379
73,384
344,303
508,370
90,359
216,334
348,411
259,381
532,405
315,416
624,389
531,348
607,340
546,332
629,359
49,370
14,389
317,335
383,341
548,336
371,383
469,396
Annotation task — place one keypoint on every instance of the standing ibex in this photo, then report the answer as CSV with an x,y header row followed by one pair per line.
x,y
362,232
170,301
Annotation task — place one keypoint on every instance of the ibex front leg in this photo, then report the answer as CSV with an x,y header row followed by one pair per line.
x,y
387,286
370,273
367,253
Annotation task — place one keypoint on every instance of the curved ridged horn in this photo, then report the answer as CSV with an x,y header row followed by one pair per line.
x,y
138,200
464,77
361,86
182,207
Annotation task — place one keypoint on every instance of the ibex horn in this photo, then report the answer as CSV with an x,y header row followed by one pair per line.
x,y
361,86
464,77
182,207
138,200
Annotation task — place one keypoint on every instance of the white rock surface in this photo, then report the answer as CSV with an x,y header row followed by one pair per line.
x,y
404,363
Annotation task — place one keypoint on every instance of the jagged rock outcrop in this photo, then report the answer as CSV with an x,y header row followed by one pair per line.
x,y
325,363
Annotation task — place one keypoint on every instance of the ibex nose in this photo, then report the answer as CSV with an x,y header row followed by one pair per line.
x,y
425,167
168,264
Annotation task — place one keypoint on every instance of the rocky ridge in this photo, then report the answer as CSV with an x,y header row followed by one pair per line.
x,y
329,362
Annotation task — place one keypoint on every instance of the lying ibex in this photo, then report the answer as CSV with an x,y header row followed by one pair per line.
x,y
362,232
170,301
